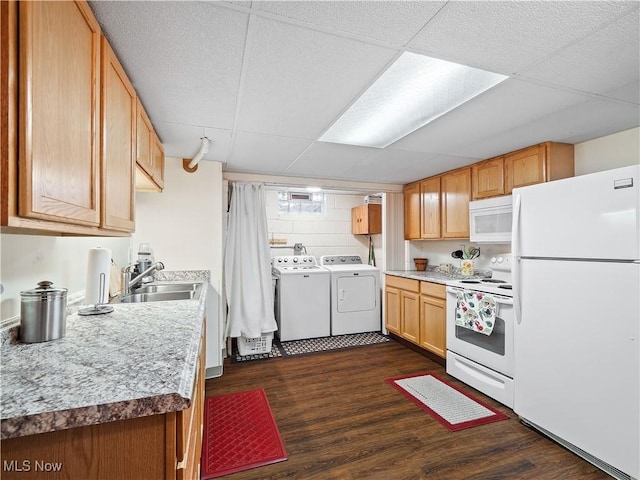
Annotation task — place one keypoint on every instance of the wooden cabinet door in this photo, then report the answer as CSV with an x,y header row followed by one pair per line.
x,y
59,112
358,220
487,178
366,219
144,131
524,167
392,310
157,157
118,144
430,211
412,211
456,193
432,325
410,308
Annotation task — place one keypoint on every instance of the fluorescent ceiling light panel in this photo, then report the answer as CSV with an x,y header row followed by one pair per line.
x,y
414,91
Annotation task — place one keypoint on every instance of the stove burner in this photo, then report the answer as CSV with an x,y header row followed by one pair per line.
x,y
492,280
469,281
506,287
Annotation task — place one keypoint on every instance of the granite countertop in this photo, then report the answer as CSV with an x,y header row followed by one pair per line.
x,y
435,276
139,360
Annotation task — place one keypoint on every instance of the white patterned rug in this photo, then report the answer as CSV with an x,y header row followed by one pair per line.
x,y
314,345
450,406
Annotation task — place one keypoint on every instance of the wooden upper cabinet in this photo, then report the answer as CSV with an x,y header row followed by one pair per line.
x,y
157,155
487,178
59,95
539,163
118,144
430,208
366,219
525,167
149,154
456,194
412,211
144,129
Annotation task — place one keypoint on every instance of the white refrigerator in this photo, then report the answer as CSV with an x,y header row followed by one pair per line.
x,y
576,282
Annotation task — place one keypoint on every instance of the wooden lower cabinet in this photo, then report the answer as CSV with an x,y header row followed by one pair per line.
x,y
416,311
402,307
163,447
433,318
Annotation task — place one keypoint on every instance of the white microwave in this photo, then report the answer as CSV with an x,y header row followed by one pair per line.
x,y
490,220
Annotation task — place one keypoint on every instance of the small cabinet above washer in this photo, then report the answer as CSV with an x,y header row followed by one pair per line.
x,y
366,219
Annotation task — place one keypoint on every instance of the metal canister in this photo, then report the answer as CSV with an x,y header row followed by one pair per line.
x,y
43,313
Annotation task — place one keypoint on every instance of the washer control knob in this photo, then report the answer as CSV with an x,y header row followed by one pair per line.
x,y
500,259
295,260
343,259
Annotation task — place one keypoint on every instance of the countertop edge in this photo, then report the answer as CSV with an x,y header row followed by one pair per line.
x,y
92,415
435,276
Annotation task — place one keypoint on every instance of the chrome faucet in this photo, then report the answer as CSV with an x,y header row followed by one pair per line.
x,y
128,281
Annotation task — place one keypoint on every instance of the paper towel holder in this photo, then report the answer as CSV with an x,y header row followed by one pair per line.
x,y
98,308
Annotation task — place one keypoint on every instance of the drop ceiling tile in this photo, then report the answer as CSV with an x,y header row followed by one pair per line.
x,y
328,160
266,154
510,104
601,62
183,58
298,80
387,21
584,121
506,37
398,166
628,93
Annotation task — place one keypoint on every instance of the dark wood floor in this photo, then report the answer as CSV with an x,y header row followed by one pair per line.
x,y
339,420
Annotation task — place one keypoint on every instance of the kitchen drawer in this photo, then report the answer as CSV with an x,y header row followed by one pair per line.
x,y
403,283
433,289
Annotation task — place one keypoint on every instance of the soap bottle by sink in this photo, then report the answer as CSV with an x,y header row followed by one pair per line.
x,y
145,260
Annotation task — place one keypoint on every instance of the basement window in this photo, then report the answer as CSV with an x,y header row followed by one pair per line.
x,y
300,202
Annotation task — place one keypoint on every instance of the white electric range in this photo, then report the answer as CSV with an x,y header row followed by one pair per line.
x,y
485,362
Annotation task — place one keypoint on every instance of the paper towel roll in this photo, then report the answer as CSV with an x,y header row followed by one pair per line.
x,y
99,263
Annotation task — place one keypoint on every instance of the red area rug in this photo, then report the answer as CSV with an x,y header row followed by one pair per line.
x,y
240,433
449,405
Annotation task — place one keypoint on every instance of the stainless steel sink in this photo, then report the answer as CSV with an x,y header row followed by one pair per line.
x,y
168,287
164,292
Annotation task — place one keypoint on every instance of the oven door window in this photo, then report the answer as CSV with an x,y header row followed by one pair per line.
x,y
494,343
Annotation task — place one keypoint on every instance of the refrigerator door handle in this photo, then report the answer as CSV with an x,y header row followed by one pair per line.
x,y
515,247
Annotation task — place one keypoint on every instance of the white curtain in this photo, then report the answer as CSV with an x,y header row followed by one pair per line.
x,y
247,264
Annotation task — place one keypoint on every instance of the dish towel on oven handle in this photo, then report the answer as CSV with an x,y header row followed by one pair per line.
x,y
476,311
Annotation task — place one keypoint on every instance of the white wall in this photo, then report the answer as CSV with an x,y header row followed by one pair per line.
x,y
613,151
183,224
327,233
439,251
29,259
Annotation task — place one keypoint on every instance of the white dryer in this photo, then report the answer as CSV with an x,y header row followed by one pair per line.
x,y
302,302
355,294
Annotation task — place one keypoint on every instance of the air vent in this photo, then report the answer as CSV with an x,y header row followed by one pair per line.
x,y
300,197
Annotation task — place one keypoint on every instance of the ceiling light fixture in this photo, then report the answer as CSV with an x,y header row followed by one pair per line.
x,y
192,165
412,92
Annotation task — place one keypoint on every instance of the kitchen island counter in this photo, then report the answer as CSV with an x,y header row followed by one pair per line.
x,y
139,360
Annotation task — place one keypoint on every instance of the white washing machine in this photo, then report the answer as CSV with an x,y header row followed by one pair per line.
x,y
302,301
355,294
